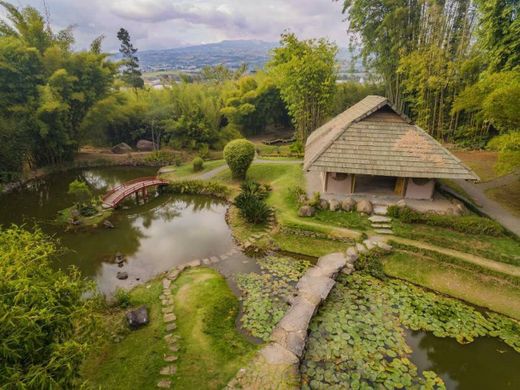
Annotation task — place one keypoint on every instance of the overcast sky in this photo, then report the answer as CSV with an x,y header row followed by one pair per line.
x,y
157,24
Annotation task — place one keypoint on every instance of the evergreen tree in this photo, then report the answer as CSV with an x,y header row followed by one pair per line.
x,y
131,74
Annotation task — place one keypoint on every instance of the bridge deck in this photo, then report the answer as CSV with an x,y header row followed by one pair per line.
x,y
113,197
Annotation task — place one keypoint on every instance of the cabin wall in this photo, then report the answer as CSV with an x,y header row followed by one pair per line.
x,y
338,183
420,188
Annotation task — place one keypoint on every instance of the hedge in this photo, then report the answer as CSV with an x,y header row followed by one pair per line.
x,y
197,187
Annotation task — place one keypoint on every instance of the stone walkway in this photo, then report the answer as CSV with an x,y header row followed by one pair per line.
x,y
276,365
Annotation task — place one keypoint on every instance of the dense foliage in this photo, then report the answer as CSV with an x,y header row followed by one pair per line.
x,y
130,72
45,318
197,187
251,202
198,164
305,71
450,64
239,155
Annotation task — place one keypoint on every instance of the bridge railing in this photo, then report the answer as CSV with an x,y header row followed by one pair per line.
x,y
128,183
133,188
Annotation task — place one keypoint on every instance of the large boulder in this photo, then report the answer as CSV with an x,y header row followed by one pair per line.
x,y
306,211
334,205
121,148
348,204
144,145
138,317
324,204
364,206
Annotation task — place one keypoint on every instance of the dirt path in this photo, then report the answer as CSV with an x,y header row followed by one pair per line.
x,y
504,268
491,207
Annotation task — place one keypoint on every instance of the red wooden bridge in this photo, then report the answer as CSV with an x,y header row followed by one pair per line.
x,y
117,194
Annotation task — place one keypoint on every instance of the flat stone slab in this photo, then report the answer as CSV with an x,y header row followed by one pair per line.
x,y
361,248
384,231
381,226
332,263
167,310
171,326
170,358
164,384
384,245
275,354
214,259
224,257
314,288
169,317
173,274
292,341
379,219
380,210
193,263
298,316
206,261
369,244
168,370
166,283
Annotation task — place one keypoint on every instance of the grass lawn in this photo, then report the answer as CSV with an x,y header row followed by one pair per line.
x,y
134,362
308,246
507,195
505,249
466,284
186,170
242,230
211,348
481,162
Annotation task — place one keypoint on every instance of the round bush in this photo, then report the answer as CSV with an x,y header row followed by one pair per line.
x,y
198,164
239,155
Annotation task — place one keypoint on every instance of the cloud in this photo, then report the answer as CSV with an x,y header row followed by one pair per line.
x,y
155,24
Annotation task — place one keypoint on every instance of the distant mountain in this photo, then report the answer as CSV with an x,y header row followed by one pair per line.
x,y
231,53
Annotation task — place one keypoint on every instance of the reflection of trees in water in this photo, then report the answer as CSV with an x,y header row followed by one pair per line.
x,y
200,203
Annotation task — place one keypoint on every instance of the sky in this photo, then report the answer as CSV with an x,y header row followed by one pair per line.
x,y
161,24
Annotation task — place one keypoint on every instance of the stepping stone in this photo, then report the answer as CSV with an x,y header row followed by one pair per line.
x,y
169,317
168,370
169,338
380,210
166,283
171,327
214,259
170,358
164,384
206,261
369,244
167,292
379,219
384,245
173,348
361,248
381,226
224,257
173,275
167,310
384,231
167,302
193,263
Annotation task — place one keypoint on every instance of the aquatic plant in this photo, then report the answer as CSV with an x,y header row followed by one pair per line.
x,y
265,295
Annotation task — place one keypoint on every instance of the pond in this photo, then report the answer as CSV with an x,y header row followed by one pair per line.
x,y
156,236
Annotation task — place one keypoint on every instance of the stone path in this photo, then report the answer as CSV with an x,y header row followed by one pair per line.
x,y
276,365
379,221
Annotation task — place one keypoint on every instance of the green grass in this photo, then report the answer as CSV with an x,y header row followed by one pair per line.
x,y
343,219
504,248
507,195
242,230
186,170
65,216
134,362
211,348
459,282
308,246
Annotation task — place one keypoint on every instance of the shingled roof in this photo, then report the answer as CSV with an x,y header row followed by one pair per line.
x,y
373,138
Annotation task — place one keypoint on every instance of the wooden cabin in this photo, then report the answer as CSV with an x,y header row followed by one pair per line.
x,y
372,148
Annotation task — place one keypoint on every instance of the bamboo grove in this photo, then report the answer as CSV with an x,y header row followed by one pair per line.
x,y
453,65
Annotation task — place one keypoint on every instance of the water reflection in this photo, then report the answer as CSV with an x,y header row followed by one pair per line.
x,y
486,363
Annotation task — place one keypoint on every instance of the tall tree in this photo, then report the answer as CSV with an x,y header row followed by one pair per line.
x,y
130,72
305,71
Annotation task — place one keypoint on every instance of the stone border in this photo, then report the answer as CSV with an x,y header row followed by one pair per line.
x,y
277,365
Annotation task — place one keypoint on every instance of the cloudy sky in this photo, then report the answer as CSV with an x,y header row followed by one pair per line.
x,y
157,24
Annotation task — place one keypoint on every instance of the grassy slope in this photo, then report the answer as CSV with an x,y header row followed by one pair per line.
x,y
133,363
507,195
504,249
482,162
476,288
211,349
186,170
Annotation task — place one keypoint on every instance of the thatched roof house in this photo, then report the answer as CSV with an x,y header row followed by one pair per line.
x,y
373,148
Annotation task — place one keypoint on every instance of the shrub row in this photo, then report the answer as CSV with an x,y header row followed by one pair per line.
x,y
464,224
198,187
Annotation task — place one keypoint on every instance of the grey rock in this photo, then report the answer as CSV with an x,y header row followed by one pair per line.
x,y
380,210
314,289
274,353
108,224
348,204
164,384
121,148
193,263
364,206
306,211
384,245
332,263
334,205
369,244
361,248
324,204
144,145
384,231
168,370
166,283
121,275
380,219
138,317
401,203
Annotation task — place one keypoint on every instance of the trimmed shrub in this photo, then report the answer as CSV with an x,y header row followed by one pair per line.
x,y
464,224
251,202
198,164
239,155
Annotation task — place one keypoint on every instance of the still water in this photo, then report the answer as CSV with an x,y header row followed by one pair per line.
x,y
154,237
170,230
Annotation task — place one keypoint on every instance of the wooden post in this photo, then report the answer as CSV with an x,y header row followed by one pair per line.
x,y
353,184
400,186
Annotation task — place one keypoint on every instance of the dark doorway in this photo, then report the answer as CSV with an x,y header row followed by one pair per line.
x,y
368,184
